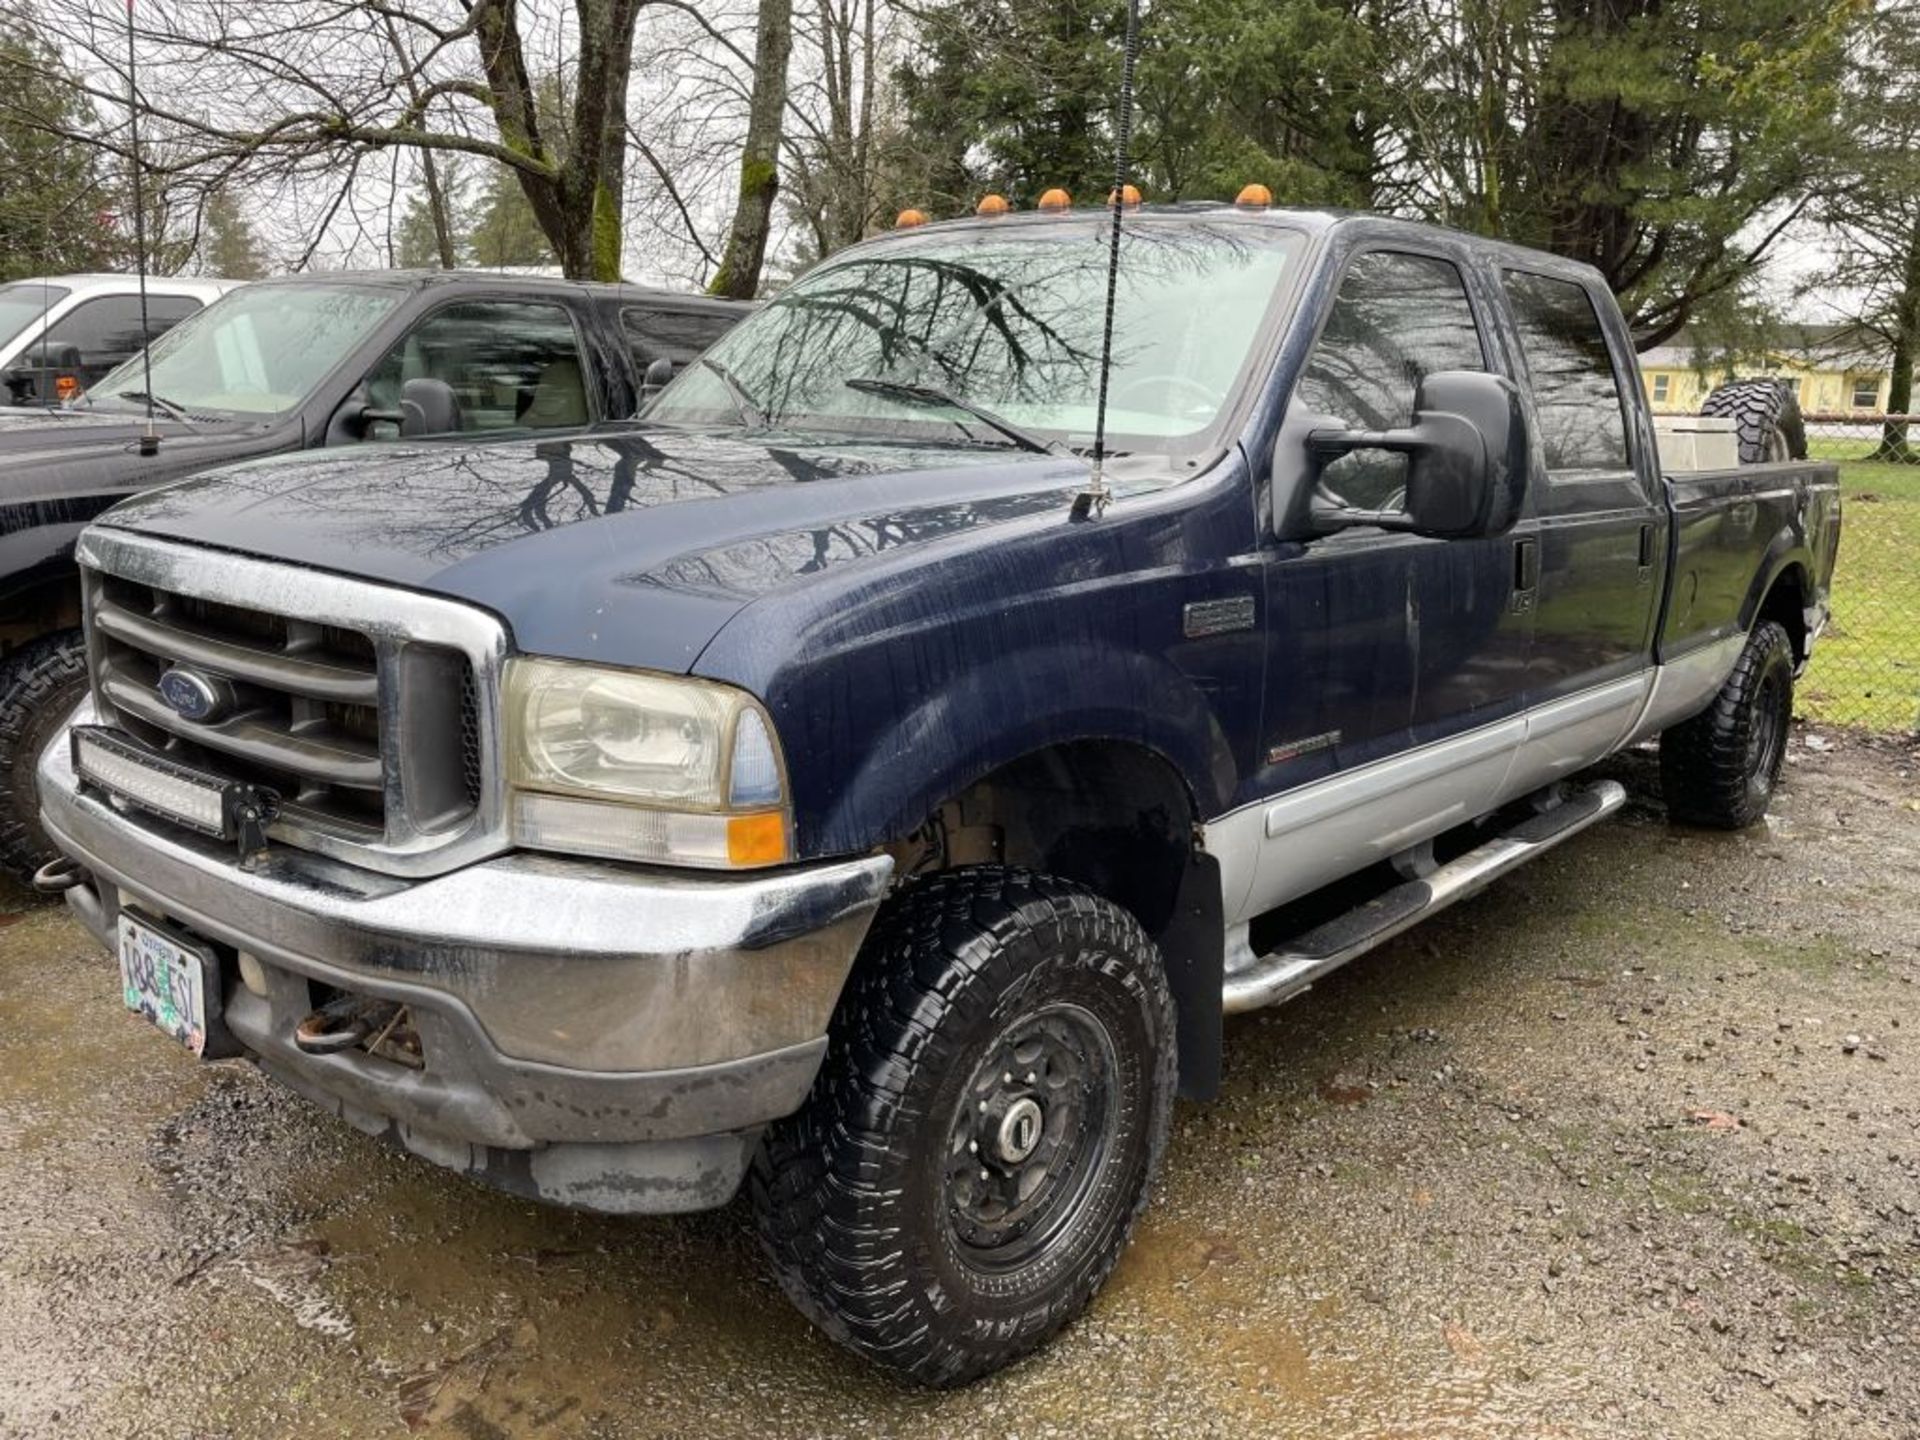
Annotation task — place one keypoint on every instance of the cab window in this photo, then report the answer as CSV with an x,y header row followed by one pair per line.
x,y
1578,401
1397,319
511,365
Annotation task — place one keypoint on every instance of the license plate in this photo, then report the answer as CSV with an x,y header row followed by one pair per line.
x,y
165,981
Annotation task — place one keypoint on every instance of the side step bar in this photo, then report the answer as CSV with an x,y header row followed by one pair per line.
x,y
1284,973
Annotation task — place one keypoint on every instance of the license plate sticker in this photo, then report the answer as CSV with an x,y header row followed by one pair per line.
x,y
164,981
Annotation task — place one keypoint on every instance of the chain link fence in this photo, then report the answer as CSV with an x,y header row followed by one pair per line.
x,y
1866,670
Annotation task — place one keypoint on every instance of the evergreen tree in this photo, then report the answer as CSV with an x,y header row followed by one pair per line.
x,y
505,229
228,246
54,207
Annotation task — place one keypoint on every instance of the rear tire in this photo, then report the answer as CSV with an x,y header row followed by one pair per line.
x,y
1719,769
1766,416
994,1102
40,683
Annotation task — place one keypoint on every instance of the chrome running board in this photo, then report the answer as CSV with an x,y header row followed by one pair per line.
x,y
1284,973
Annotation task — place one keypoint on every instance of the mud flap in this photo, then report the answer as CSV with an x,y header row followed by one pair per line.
x,y
1193,945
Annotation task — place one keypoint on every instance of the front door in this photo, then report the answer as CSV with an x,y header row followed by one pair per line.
x,y
1397,664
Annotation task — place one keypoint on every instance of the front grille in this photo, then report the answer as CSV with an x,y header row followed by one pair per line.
x,y
307,710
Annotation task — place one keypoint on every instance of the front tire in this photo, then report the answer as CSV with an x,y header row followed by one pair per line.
x,y
40,683
1719,769
996,1095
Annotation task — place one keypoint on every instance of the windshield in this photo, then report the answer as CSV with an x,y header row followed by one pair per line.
x,y
21,305
257,351
1007,320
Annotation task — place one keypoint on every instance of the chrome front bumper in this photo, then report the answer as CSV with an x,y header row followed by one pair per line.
x,y
594,1034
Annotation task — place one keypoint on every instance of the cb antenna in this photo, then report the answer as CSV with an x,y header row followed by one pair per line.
x,y
149,441
1092,500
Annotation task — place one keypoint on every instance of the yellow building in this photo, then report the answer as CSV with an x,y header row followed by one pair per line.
x,y
1839,370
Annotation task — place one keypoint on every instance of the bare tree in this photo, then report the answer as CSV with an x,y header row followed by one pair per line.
x,y
309,89
739,272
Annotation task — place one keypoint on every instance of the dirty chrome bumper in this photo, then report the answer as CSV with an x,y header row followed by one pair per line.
x,y
595,1035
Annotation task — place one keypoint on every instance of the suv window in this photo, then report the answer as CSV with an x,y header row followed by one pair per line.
x,y
1397,319
1576,395
106,331
678,335
510,364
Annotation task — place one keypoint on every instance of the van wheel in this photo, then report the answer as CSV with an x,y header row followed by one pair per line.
x,y
1719,769
40,683
995,1098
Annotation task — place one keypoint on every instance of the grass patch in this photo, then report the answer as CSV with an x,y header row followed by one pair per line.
x,y
1867,669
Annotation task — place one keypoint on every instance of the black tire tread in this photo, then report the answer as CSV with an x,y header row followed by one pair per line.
x,y
813,1181
1757,408
1703,761
39,683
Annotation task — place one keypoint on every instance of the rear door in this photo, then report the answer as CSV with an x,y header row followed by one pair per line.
x,y
1602,530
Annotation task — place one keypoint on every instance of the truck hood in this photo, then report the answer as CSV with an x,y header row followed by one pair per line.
x,y
631,547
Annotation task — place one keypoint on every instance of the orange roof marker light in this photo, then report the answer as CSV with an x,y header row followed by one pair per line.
x,y
991,205
910,218
1253,197
1129,197
1056,200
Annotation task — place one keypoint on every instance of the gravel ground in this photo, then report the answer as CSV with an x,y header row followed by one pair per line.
x,y
1627,1146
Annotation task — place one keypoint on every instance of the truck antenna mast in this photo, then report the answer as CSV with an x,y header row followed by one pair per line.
x,y
1093,499
149,441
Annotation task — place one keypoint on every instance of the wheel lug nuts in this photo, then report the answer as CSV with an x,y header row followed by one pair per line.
x,y
985,1176
973,1147
1030,1077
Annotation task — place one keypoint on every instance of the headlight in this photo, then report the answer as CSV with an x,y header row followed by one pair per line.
x,y
636,766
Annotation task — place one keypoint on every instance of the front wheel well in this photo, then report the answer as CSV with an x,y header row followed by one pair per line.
x,y
1120,820
1112,816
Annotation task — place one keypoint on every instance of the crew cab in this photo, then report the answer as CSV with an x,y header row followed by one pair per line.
x,y
306,362
843,783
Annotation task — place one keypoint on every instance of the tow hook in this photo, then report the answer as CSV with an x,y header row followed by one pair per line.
x,y
56,877
343,1023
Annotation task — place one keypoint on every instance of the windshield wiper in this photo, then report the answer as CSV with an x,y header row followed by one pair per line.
x,y
174,412
914,394
737,393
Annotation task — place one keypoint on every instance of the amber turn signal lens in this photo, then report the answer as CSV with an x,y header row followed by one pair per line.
x,y
1129,197
757,839
992,205
1056,199
910,218
1254,197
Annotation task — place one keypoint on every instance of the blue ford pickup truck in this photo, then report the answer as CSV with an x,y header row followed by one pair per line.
x,y
820,786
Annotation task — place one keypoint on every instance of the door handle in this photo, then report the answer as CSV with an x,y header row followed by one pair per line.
x,y
1645,576
1526,572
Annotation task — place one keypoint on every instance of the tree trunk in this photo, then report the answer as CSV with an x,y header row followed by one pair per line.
x,y
1894,442
437,208
738,277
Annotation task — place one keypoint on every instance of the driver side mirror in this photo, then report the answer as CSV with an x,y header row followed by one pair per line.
x,y
1466,461
44,375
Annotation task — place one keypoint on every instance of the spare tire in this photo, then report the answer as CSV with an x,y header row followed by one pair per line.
x,y
1766,414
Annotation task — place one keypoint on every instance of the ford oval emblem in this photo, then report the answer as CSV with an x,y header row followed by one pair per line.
x,y
191,695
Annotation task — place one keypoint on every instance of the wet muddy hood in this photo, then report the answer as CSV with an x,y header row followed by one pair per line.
x,y
631,548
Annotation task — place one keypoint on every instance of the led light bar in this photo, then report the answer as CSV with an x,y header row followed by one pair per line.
x,y
150,781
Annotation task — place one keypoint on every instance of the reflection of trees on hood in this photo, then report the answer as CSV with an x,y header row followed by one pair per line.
x,y
751,567
447,501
